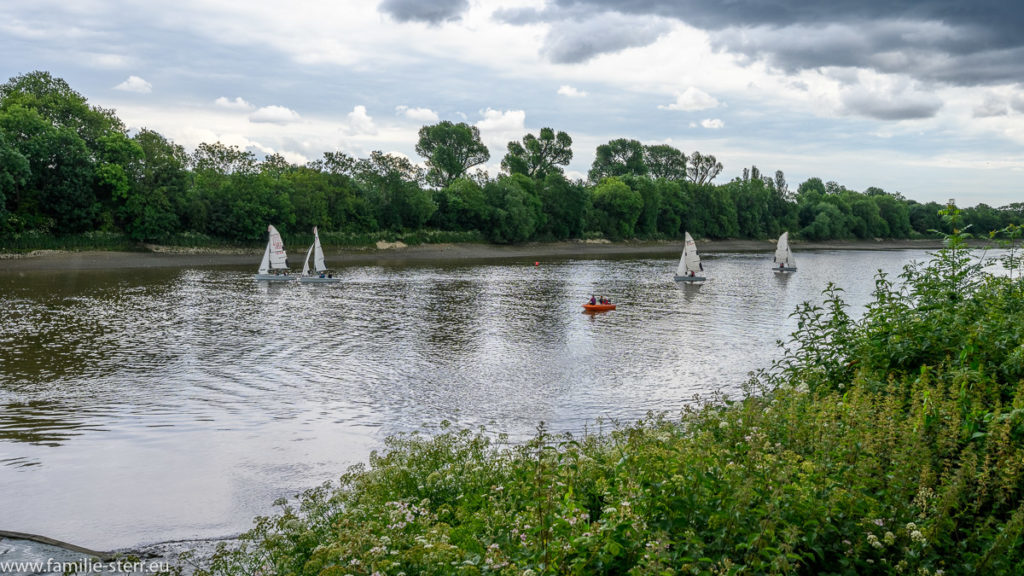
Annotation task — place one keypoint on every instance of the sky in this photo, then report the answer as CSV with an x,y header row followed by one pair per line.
x,y
920,97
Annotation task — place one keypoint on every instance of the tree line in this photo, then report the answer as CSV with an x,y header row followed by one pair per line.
x,y
68,167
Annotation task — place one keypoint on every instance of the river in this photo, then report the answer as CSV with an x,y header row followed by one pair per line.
x,y
140,406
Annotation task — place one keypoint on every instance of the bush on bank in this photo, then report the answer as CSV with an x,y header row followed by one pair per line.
x,y
892,444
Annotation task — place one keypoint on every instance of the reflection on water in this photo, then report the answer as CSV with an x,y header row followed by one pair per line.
x,y
146,405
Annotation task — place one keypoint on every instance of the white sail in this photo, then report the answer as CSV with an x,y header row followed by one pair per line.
x,y
318,253
265,264
783,255
690,260
278,257
305,265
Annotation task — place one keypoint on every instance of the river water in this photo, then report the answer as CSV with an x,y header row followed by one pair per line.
x,y
139,406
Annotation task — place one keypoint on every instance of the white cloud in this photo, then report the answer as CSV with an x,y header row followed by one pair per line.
x,y
569,91
691,100
274,115
359,122
418,114
135,84
712,123
502,121
497,128
236,104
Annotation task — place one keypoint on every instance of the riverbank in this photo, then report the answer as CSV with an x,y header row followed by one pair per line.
x,y
180,257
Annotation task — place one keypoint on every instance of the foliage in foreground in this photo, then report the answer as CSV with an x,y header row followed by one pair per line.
x,y
891,444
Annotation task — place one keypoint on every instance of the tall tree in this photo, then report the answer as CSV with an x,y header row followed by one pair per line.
x,y
538,156
619,157
703,169
450,150
55,101
664,161
335,163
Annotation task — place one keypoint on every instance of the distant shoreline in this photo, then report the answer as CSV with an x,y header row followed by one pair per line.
x,y
179,257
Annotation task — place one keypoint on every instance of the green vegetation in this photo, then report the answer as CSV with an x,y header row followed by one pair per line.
x,y
68,169
890,444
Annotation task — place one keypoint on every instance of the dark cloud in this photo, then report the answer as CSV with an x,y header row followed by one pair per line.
x,y
581,41
991,107
949,41
578,34
430,11
1017,102
890,104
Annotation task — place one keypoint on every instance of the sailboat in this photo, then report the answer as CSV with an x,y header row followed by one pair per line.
x,y
319,274
274,267
783,256
690,268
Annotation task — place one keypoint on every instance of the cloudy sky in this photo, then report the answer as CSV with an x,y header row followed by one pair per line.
x,y
921,97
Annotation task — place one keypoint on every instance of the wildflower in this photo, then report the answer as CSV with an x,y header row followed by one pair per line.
x,y
723,424
889,538
873,541
911,526
916,536
878,522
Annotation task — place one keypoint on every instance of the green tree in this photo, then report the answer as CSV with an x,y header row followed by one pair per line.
x,y
450,150
157,194
116,169
59,189
565,205
647,221
618,207
461,206
675,207
665,162
391,184
867,219
538,156
618,158
335,163
515,210
53,99
895,213
14,174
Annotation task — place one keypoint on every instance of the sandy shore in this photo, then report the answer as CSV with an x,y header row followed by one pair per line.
x,y
169,257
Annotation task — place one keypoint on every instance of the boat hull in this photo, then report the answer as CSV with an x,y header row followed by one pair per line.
x,y
318,280
783,270
273,278
690,279
598,307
